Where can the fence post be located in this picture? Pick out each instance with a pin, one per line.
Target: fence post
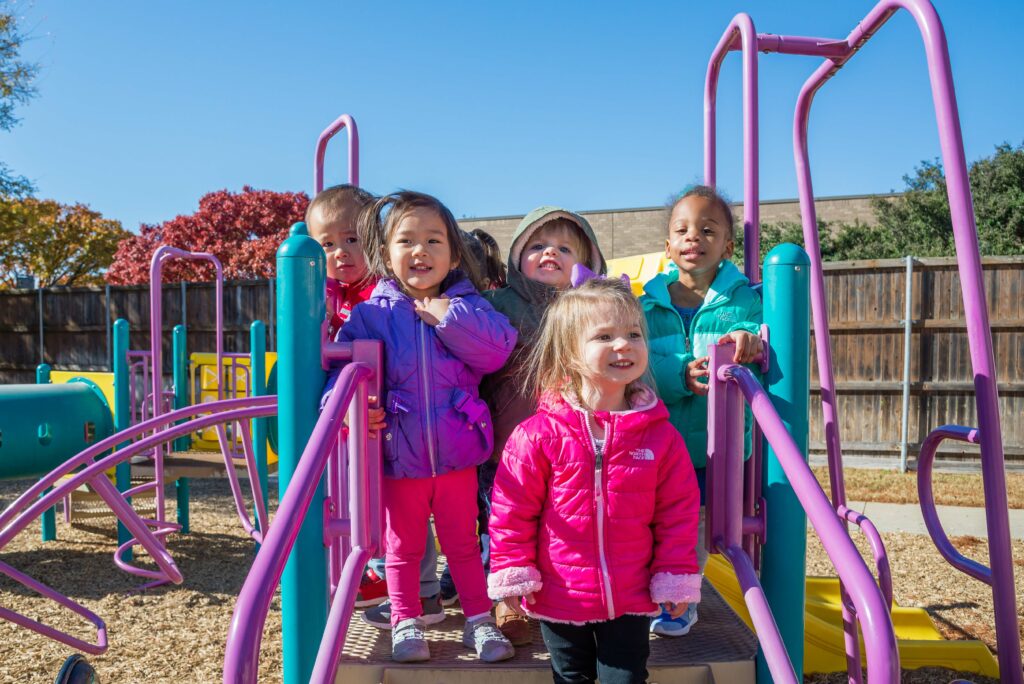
(122, 418)
(106, 308)
(786, 297)
(908, 303)
(42, 353)
(301, 266)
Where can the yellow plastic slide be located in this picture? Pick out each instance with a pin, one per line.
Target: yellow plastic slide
(920, 644)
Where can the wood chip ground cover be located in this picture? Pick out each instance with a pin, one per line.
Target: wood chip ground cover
(177, 634)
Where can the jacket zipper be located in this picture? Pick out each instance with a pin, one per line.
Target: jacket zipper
(599, 499)
(428, 407)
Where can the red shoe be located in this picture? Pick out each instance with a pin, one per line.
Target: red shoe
(373, 590)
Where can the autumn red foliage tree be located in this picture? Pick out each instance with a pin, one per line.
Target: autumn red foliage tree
(243, 230)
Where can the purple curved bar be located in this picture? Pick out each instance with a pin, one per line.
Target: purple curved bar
(241, 659)
(163, 254)
(85, 457)
(46, 630)
(349, 124)
(879, 635)
(975, 308)
(925, 460)
(877, 548)
(740, 31)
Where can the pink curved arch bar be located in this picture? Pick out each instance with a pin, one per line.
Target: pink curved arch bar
(346, 122)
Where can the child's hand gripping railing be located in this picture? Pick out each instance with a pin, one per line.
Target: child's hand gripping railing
(82, 469)
(730, 385)
(362, 525)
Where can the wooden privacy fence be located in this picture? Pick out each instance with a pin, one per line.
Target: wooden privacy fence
(867, 301)
(70, 328)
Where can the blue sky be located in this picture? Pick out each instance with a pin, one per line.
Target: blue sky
(494, 107)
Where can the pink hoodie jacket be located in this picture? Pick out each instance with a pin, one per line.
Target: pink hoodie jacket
(595, 541)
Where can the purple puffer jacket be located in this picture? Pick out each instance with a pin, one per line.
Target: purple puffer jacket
(436, 421)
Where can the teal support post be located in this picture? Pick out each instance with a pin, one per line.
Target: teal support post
(179, 357)
(122, 417)
(301, 268)
(49, 518)
(786, 298)
(258, 388)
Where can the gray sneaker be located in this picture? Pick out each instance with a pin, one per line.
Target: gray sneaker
(408, 645)
(380, 616)
(490, 644)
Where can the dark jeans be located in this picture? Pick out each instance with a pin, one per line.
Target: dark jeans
(614, 651)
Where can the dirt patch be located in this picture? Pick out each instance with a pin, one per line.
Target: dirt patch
(892, 486)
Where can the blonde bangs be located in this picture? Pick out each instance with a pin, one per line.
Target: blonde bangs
(556, 362)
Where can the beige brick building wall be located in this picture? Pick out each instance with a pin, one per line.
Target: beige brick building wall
(625, 232)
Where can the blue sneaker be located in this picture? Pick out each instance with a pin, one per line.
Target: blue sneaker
(667, 626)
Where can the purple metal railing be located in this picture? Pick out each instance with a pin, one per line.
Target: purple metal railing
(342, 122)
(351, 398)
(740, 34)
(975, 309)
(166, 253)
(730, 385)
(82, 469)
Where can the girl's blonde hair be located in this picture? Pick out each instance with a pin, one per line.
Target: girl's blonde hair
(556, 362)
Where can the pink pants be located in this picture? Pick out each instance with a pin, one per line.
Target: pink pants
(408, 503)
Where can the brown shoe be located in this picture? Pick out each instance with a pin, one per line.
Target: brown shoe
(514, 626)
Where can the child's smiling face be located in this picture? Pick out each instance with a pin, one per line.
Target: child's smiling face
(699, 236)
(346, 261)
(550, 254)
(614, 350)
(418, 252)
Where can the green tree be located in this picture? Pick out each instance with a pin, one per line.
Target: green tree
(919, 219)
(59, 244)
(16, 88)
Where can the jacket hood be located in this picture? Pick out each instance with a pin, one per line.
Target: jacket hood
(726, 280)
(455, 284)
(531, 290)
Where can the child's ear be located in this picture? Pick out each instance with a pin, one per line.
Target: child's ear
(730, 246)
(385, 256)
(668, 252)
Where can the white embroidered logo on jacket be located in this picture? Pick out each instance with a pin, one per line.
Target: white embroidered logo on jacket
(642, 454)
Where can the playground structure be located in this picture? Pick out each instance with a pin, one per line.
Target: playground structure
(738, 518)
(320, 557)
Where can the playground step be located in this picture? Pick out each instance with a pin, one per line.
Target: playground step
(719, 648)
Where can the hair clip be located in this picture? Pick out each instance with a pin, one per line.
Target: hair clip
(581, 274)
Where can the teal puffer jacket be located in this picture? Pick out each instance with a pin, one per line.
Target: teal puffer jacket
(730, 305)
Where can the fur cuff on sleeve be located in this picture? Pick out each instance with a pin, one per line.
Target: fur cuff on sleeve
(666, 587)
(513, 581)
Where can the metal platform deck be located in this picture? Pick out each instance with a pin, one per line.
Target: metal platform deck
(719, 648)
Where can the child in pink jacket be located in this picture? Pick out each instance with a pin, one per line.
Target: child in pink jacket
(594, 515)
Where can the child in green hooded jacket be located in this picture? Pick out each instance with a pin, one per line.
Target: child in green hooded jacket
(700, 300)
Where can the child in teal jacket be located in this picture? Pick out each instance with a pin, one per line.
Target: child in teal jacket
(701, 299)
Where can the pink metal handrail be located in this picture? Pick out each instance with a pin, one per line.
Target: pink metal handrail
(730, 385)
(166, 253)
(241, 660)
(740, 31)
(975, 308)
(346, 122)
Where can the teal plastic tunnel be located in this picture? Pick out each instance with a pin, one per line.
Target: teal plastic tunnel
(42, 426)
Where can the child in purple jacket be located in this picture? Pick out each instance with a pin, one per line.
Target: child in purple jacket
(440, 338)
